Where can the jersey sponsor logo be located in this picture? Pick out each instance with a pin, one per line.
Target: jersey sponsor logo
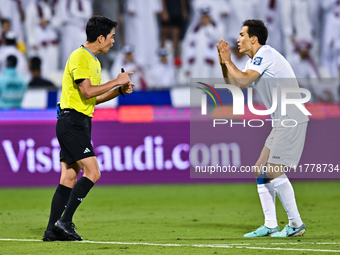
(257, 61)
(87, 150)
(276, 157)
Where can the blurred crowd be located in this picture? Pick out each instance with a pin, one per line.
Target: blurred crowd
(167, 42)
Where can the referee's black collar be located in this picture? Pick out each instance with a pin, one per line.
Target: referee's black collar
(82, 46)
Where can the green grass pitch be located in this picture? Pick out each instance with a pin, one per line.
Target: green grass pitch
(171, 219)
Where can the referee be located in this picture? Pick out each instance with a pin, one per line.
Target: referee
(81, 91)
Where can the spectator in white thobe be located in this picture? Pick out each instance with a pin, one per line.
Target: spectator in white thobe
(12, 10)
(331, 36)
(5, 27)
(71, 17)
(199, 52)
(162, 73)
(240, 10)
(305, 68)
(42, 38)
(277, 15)
(220, 12)
(126, 59)
(315, 17)
(141, 28)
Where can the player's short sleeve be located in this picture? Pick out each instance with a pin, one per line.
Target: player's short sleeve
(247, 65)
(262, 60)
(79, 66)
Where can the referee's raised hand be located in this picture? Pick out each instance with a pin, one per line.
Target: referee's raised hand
(123, 78)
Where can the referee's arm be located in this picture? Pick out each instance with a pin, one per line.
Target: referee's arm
(126, 89)
(107, 96)
(89, 91)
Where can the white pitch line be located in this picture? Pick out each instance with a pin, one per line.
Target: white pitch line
(237, 246)
(289, 249)
(20, 240)
(296, 243)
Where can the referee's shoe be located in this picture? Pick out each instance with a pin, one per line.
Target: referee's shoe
(67, 229)
(54, 235)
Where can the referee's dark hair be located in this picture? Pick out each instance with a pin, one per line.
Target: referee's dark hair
(97, 26)
(257, 28)
(11, 61)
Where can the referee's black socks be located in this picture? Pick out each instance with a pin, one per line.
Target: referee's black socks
(59, 201)
(78, 194)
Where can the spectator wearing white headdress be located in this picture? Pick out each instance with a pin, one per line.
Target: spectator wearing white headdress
(315, 17)
(305, 68)
(126, 59)
(240, 10)
(162, 73)
(331, 36)
(302, 62)
(220, 10)
(199, 56)
(141, 28)
(42, 38)
(277, 15)
(71, 17)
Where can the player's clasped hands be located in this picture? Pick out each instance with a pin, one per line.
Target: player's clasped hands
(223, 51)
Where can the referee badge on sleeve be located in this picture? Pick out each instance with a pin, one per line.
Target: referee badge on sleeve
(257, 61)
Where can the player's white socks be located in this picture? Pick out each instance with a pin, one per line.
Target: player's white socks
(267, 196)
(285, 192)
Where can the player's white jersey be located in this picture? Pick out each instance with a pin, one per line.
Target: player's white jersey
(275, 72)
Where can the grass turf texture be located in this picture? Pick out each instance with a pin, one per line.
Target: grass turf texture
(199, 214)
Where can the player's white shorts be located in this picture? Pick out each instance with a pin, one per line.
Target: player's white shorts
(286, 144)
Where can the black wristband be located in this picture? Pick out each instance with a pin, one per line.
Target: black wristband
(121, 92)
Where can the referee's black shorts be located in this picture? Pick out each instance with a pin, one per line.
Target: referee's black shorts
(74, 135)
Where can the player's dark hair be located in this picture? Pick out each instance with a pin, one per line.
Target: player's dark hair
(257, 28)
(97, 26)
(11, 61)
